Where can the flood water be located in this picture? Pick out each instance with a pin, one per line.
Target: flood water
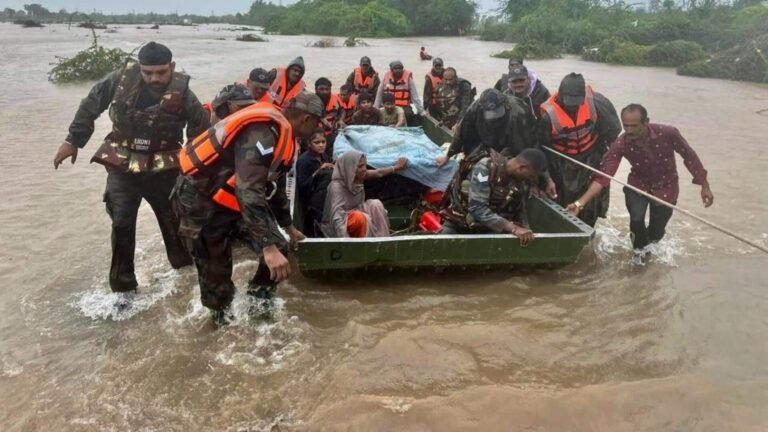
(680, 344)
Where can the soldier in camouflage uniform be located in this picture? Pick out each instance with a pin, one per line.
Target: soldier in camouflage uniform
(454, 95)
(255, 148)
(149, 105)
(489, 194)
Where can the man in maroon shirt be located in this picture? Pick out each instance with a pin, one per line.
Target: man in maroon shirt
(650, 148)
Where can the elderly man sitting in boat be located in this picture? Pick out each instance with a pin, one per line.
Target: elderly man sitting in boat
(489, 194)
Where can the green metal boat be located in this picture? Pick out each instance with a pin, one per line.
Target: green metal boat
(559, 240)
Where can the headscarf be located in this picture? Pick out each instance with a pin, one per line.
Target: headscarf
(345, 170)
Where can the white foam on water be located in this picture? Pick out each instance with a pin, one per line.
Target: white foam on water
(11, 368)
(397, 405)
(610, 244)
(156, 282)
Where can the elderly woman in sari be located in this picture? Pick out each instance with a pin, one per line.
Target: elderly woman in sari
(347, 213)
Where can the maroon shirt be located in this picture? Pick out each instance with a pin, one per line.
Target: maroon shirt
(653, 162)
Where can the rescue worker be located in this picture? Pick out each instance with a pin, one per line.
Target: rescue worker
(333, 110)
(258, 83)
(149, 105)
(650, 148)
(400, 83)
(454, 96)
(364, 77)
(424, 55)
(494, 121)
(580, 123)
(533, 93)
(431, 82)
(286, 83)
(348, 101)
(489, 194)
(233, 187)
(229, 100)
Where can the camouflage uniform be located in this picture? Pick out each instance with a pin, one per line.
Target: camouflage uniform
(453, 102)
(482, 198)
(210, 228)
(141, 157)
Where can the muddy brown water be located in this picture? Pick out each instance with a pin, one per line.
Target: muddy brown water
(678, 345)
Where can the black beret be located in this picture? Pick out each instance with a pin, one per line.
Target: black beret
(155, 54)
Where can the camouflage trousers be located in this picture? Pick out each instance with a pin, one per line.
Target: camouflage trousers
(210, 232)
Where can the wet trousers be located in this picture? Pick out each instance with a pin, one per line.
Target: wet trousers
(210, 232)
(122, 197)
(643, 234)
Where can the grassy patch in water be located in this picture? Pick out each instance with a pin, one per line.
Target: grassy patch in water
(87, 65)
(531, 50)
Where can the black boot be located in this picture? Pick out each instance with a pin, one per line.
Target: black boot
(222, 317)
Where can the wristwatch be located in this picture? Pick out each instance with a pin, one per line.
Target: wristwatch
(578, 205)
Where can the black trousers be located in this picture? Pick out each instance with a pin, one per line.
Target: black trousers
(122, 197)
(643, 234)
(210, 232)
(411, 118)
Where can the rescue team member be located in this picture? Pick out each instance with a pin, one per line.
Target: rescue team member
(258, 83)
(454, 96)
(490, 195)
(364, 77)
(580, 123)
(149, 105)
(431, 82)
(286, 83)
(233, 187)
(400, 83)
(533, 93)
(650, 149)
(333, 110)
(348, 101)
(230, 100)
(493, 122)
(503, 83)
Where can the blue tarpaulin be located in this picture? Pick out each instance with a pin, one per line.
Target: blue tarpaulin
(383, 146)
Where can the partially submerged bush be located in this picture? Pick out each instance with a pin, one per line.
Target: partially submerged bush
(745, 62)
(618, 52)
(354, 42)
(530, 50)
(87, 65)
(250, 37)
(323, 43)
(675, 53)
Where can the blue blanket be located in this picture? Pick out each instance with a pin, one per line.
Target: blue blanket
(383, 146)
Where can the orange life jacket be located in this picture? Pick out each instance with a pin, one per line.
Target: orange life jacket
(400, 88)
(436, 81)
(278, 91)
(349, 108)
(571, 137)
(363, 81)
(199, 156)
(332, 114)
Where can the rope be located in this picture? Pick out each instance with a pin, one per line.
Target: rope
(662, 202)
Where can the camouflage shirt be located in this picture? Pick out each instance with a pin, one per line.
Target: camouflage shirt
(100, 97)
(453, 101)
(491, 215)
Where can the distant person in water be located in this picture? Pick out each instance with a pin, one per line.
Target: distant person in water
(650, 148)
(424, 55)
(347, 213)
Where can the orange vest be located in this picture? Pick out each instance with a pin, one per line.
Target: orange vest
(436, 81)
(278, 91)
(332, 114)
(400, 88)
(571, 137)
(201, 154)
(363, 82)
(349, 108)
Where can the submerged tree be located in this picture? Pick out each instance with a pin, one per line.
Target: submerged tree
(90, 64)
